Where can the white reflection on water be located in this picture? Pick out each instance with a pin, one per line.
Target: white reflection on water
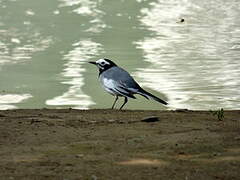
(72, 74)
(7, 101)
(87, 8)
(195, 63)
(16, 47)
(30, 12)
(19, 41)
(84, 7)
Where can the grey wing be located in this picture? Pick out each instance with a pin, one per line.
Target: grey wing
(124, 83)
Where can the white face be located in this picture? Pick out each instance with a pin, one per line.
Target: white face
(101, 63)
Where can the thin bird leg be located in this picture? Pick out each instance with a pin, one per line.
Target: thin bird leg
(125, 102)
(114, 102)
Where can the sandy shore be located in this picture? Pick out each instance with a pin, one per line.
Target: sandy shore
(109, 144)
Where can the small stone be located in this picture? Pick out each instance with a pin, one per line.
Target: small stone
(216, 154)
(93, 177)
(181, 152)
(111, 120)
(237, 138)
(182, 110)
(79, 155)
(150, 119)
(2, 115)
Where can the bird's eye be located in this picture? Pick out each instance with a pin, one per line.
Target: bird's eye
(102, 63)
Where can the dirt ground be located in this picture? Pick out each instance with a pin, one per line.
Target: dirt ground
(110, 144)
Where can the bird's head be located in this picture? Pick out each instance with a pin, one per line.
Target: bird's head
(103, 64)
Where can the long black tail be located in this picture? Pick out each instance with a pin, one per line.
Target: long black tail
(151, 96)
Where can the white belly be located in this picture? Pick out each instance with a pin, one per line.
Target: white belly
(109, 85)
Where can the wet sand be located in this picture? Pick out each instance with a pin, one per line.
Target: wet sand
(110, 144)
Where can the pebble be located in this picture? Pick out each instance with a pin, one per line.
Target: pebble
(93, 177)
(182, 110)
(79, 155)
(111, 120)
(237, 138)
(150, 119)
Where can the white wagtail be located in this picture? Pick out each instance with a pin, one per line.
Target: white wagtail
(119, 82)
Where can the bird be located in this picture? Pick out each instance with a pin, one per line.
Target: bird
(119, 83)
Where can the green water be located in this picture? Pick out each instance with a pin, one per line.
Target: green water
(44, 47)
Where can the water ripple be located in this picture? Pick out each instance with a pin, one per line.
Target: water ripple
(87, 8)
(21, 47)
(72, 75)
(194, 64)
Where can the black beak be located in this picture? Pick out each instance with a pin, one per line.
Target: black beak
(91, 62)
